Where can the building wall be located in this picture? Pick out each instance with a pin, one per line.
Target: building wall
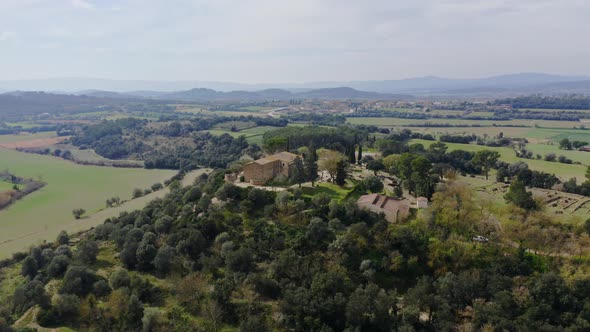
(259, 174)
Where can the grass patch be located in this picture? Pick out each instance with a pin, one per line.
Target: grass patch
(5, 186)
(330, 189)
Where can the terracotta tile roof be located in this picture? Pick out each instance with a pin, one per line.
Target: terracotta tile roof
(391, 206)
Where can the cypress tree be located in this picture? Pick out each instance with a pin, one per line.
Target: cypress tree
(360, 154)
(351, 157)
(341, 173)
(311, 168)
(298, 175)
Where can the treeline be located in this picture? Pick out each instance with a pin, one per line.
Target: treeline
(21, 188)
(19, 105)
(208, 151)
(125, 138)
(11, 130)
(265, 261)
(341, 139)
(319, 119)
(575, 102)
(539, 115)
(571, 185)
(67, 155)
(465, 162)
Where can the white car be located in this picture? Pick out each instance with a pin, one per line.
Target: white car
(479, 238)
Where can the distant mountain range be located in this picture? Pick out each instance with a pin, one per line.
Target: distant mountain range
(202, 94)
(496, 86)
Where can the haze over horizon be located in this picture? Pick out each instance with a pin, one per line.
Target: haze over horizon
(265, 41)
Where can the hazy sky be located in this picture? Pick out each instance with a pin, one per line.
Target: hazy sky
(291, 41)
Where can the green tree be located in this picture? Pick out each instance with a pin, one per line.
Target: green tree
(87, 252)
(29, 267)
(164, 259)
(78, 213)
(63, 238)
(486, 159)
(351, 154)
(58, 266)
(341, 172)
(375, 166)
(372, 184)
(398, 191)
(329, 161)
(360, 154)
(565, 144)
(137, 193)
(67, 306)
(29, 294)
(311, 168)
(298, 171)
(518, 196)
(119, 278)
(134, 312)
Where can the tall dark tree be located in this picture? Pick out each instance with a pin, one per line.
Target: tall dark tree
(311, 168)
(359, 156)
(351, 156)
(298, 171)
(341, 172)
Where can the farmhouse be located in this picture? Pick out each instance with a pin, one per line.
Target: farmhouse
(260, 171)
(394, 209)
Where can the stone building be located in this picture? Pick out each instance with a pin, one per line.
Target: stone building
(421, 202)
(258, 172)
(395, 209)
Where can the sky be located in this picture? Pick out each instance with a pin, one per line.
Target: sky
(271, 41)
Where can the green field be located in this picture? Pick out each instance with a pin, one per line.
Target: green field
(543, 149)
(5, 186)
(253, 135)
(330, 189)
(393, 122)
(563, 171)
(42, 214)
(89, 156)
(16, 138)
(221, 113)
(257, 108)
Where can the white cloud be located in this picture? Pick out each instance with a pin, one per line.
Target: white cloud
(7, 35)
(269, 40)
(82, 4)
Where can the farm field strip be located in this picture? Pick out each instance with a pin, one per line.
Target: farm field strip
(490, 131)
(16, 138)
(392, 122)
(33, 143)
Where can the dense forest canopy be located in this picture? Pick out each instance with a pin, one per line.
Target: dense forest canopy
(259, 261)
